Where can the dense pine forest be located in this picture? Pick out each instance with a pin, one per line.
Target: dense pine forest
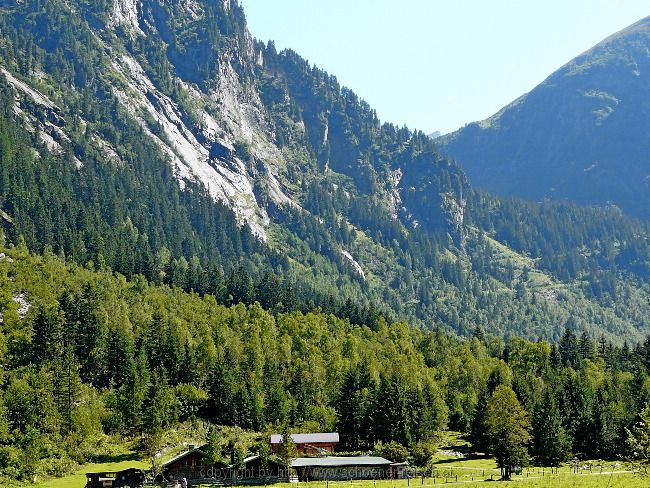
(89, 355)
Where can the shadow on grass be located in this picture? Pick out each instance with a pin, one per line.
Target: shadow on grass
(117, 458)
(471, 457)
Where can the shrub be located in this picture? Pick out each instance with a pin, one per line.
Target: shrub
(393, 451)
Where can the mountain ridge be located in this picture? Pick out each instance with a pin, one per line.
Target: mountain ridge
(579, 135)
(351, 214)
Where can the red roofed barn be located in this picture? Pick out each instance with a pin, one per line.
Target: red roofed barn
(306, 444)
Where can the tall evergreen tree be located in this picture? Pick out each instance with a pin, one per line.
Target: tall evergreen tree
(569, 349)
(551, 442)
(478, 435)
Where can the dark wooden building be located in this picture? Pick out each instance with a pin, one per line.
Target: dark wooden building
(341, 468)
(191, 465)
(100, 480)
(127, 478)
(309, 444)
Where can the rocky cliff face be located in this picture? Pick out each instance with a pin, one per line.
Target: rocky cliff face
(192, 76)
(581, 135)
(139, 116)
(222, 138)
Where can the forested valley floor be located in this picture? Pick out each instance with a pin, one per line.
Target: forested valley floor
(90, 357)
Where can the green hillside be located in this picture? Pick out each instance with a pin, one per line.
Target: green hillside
(90, 358)
(251, 175)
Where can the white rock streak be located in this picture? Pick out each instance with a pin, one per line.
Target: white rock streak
(125, 13)
(395, 199)
(354, 263)
(38, 97)
(228, 183)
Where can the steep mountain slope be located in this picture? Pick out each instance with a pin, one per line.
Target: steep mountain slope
(158, 138)
(582, 135)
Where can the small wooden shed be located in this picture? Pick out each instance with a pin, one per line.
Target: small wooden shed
(192, 466)
(126, 478)
(309, 444)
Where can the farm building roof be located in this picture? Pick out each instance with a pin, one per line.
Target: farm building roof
(183, 454)
(320, 437)
(336, 461)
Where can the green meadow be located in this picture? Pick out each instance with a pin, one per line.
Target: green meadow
(447, 471)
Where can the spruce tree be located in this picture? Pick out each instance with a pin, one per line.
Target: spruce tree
(551, 442)
(569, 350)
(287, 449)
(477, 435)
(212, 451)
(586, 346)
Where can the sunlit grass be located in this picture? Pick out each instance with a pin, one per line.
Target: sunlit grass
(446, 469)
(465, 472)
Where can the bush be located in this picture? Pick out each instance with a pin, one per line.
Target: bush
(422, 454)
(393, 451)
(58, 467)
(10, 461)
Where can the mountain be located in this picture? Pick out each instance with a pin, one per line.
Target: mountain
(161, 139)
(581, 135)
(204, 239)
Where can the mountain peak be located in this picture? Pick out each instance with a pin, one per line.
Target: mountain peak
(624, 46)
(579, 135)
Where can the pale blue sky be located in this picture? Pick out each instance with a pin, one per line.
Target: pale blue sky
(438, 64)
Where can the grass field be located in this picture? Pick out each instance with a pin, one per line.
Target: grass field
(577, 481)
(448, 469)
(464, 472)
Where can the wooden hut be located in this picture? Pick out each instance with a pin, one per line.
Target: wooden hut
(126, 478)
(192, 466)
(309, 444)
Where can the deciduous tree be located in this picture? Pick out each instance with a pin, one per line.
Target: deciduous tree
(507, 425)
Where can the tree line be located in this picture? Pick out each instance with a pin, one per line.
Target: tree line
(95, 355)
